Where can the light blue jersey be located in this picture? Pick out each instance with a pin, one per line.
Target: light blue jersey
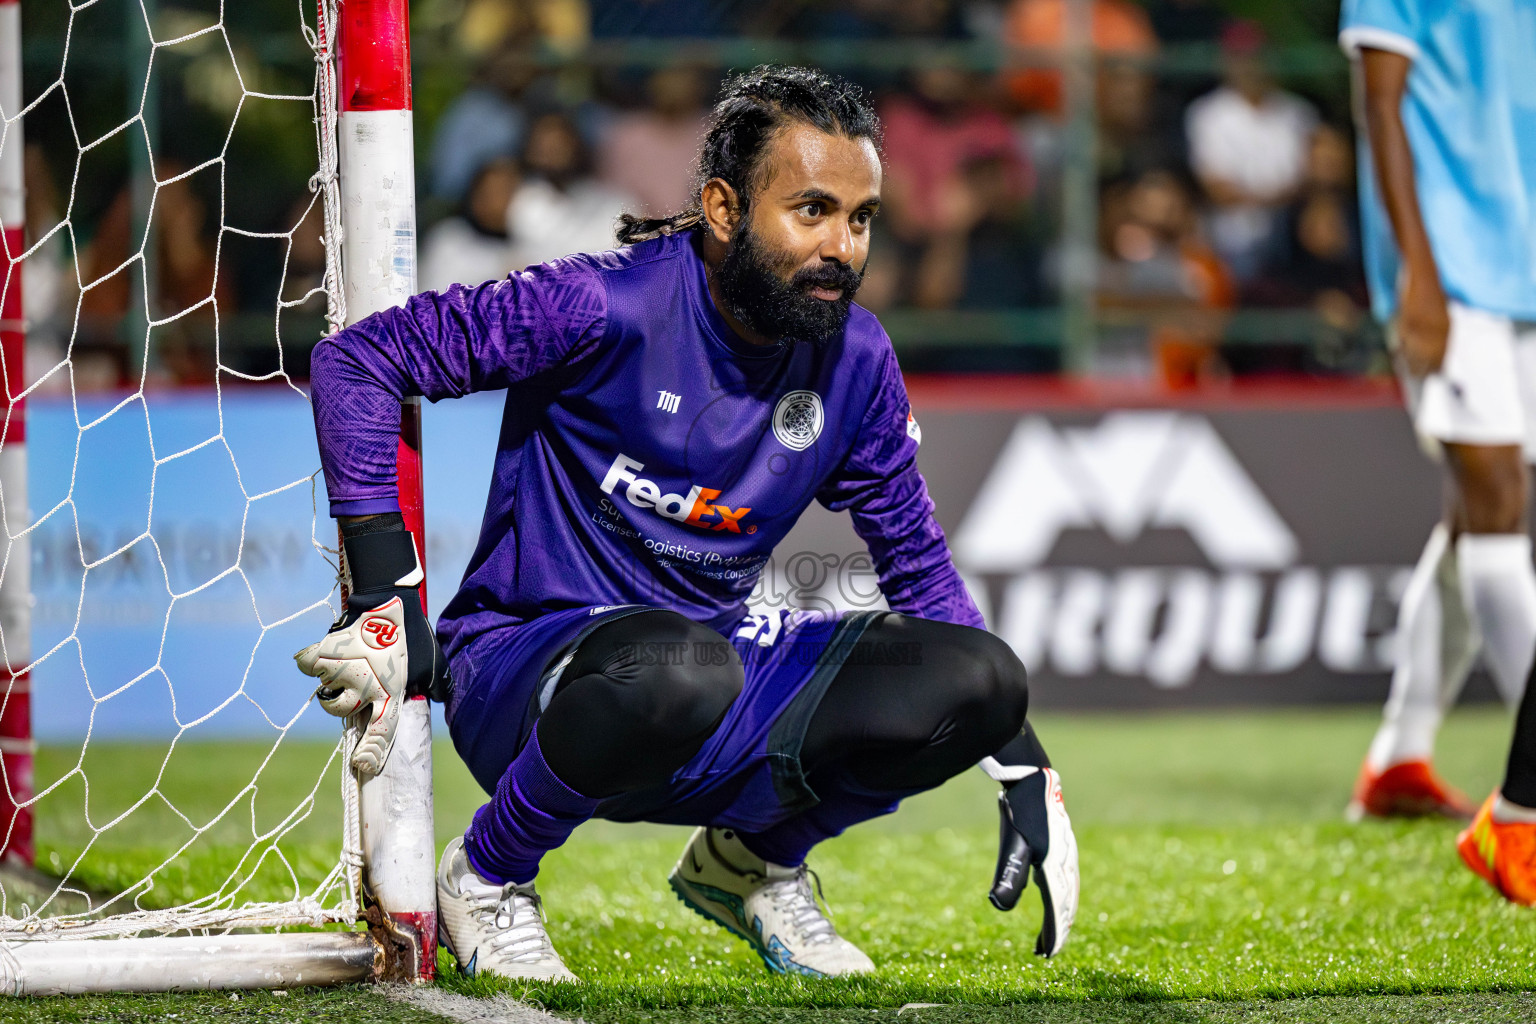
(1470, 114)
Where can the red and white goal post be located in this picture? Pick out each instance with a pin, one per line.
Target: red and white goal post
(374, 916)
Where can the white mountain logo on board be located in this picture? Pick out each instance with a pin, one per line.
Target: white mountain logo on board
(1131, 472)
(1250, 609)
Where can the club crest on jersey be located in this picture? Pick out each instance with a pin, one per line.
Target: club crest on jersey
(797, 420)
(696, 508)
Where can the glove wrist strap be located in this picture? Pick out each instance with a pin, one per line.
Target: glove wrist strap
(382, 561)
(385, 522)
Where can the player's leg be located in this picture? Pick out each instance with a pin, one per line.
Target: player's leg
(1472, 410)
(1473, 406)
(1474, 398)
(885, 732)
(887, 725)
(1500, 844)
(911, 705)
(1507, 506)
(638, 699)
(1493, 552)
(907, 706)
(632, 703)
(1436, 644)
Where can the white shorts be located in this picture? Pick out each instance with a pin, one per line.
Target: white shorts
(1485, 391)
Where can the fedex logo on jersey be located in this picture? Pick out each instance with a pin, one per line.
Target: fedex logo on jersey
(694, 509)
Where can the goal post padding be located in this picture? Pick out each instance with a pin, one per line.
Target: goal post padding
(378, 203)
(384, 873)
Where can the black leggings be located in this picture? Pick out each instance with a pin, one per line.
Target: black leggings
(636, 703)
(645, 691)
(912, 726)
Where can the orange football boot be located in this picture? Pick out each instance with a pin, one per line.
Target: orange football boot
(1504, 855)
(1411, 789)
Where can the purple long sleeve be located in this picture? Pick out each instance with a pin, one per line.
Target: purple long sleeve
(441, 345)
(887, 498)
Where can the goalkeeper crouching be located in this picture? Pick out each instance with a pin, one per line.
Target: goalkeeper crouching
(672, 408)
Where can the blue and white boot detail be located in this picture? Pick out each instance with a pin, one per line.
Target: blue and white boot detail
(769, 905)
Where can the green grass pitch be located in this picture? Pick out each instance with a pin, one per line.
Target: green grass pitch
(1219, 884)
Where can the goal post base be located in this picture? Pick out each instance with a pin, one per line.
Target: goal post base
(407, 945)
(399, 847)
(185, 963)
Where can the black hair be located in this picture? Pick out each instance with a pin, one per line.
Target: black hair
(754, 107)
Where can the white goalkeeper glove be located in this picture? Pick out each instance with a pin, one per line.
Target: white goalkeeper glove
(1035, 834)
(382, 650)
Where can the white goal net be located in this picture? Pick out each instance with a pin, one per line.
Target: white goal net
(178, 258)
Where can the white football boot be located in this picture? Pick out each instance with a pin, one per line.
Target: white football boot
(769, 905)
(490, 928)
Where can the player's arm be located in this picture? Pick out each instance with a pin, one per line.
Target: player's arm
(437, 345)
(882, 489)
(886, 497)
(1423, 320)
(441, 345)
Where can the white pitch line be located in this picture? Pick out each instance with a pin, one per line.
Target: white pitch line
(462, 1009)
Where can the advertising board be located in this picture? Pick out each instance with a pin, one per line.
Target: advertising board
(1245, 549)
(1137, 553)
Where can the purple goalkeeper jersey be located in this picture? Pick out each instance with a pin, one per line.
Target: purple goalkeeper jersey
(648, 455)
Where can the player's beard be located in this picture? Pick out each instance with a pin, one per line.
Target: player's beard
(761, 288)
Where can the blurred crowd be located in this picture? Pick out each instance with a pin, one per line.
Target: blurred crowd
(1215, 192)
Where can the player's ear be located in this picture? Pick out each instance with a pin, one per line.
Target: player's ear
(722, 209)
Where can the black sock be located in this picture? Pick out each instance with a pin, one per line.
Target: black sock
(1520, 777)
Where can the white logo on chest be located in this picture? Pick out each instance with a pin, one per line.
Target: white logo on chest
(797, 420)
